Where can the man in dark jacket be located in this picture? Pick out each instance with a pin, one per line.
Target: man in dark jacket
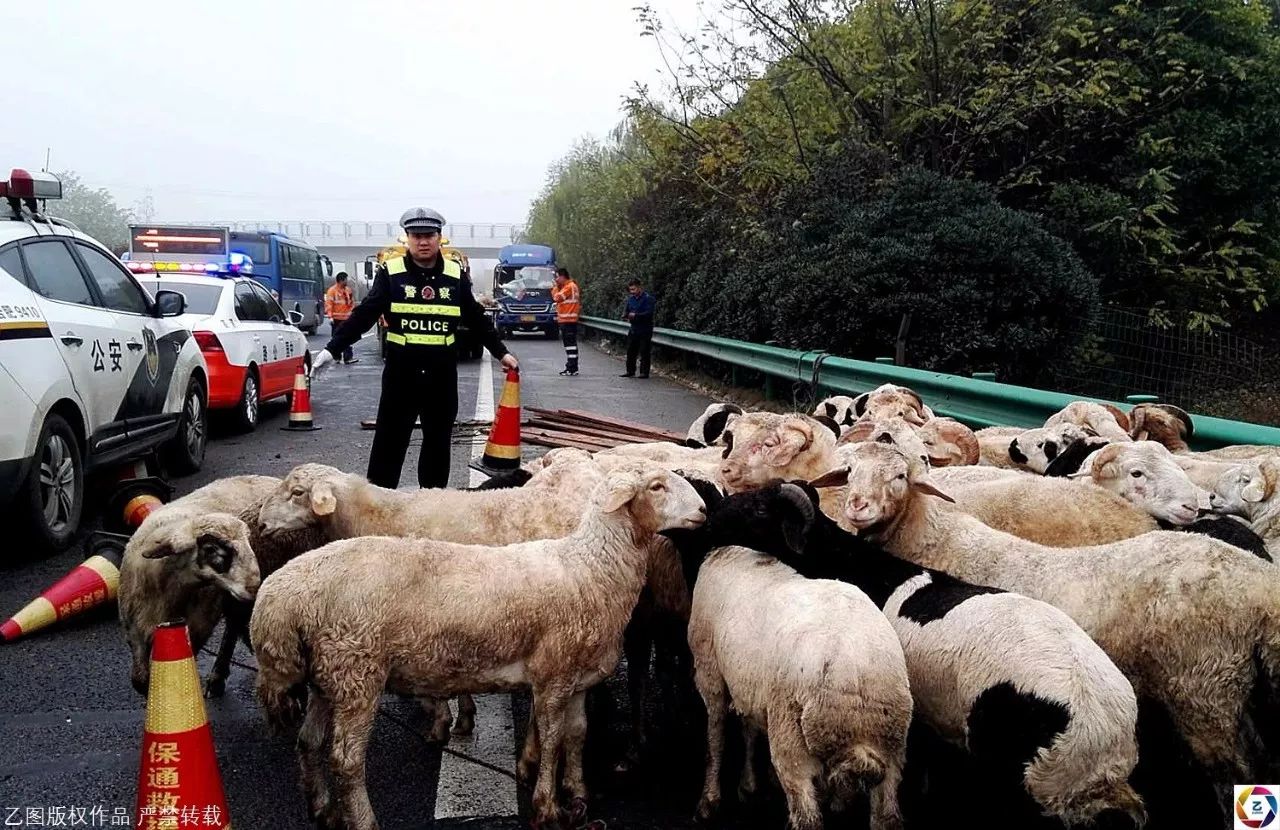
(640, 308)
(423, 296)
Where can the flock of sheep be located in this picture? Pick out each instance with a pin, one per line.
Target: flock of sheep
(1038, 600)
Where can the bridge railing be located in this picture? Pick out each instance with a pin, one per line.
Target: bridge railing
(975, 401)
(375, 232)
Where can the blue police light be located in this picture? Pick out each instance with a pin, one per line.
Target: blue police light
(240, 263)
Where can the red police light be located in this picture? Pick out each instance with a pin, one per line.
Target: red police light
(24, 185)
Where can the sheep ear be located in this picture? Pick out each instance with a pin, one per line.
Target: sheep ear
(829, 422)
(928, 489)
(860, 404)
(619, 494)
(323, 500)
(835, 478)
(176, 539)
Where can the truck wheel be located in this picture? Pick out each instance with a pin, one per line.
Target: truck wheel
(51, 498)
(184, 454)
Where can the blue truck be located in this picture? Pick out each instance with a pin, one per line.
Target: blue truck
(522, 283)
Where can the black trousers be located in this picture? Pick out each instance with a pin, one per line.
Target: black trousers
(408, 393)
(569, 337)
(639, 344)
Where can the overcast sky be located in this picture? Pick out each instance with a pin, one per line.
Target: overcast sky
(283, 109)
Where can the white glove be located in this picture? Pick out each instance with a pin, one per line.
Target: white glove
(322, 359)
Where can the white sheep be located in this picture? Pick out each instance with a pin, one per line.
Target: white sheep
(838, 408)
(889, 401)
(947, 438)
(763, 446)
(1192, 622)
(363, 615)
(993, 447)
(984, 664)
(1037, 448)
(1249, 490)
(815, 665)
(1105, 420)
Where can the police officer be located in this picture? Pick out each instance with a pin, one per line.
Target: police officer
(423, 296)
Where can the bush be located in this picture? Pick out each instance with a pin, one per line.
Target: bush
(986, 287)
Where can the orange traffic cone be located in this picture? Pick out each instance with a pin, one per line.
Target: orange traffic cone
(300, 410)
(136, 499)
(179, 784)
(502, 451)
(88, 585)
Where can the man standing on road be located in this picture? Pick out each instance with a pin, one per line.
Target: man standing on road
(338, 303)
(568, 308)
(640, 308)
(423, 297)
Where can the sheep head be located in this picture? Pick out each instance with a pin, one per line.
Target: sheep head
(895, 431)
(879, 482)
(307, 496)
(708, 429)
(763, 447)
(950, 443)
(1245, 488)
(1105, 420)
(1163, 423)
(1146, 475)
(891, 401)
(838, 408)
(1038, 448)
(656, 498)
(212, 548)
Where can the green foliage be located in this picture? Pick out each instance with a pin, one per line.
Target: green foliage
(93, 211)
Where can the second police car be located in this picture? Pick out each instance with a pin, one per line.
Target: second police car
(93, 369)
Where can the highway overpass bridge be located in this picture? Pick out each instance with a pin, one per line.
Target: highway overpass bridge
(351, 242)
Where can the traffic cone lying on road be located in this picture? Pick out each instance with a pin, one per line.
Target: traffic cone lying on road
(502, 451)
(300, 409)
(88, 585)
(178, 780)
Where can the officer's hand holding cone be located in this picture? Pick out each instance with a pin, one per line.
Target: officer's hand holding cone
(321, 361)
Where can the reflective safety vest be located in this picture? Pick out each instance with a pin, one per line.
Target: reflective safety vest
(568, 302)
(424, 315)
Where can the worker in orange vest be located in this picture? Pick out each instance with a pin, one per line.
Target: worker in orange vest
(568, 308)
(338, 304)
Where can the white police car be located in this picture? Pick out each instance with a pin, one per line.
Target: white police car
(93, 370)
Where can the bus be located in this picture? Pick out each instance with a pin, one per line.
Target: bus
(294, 269)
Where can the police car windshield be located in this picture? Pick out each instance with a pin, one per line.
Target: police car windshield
(528, 279)
(201, 299)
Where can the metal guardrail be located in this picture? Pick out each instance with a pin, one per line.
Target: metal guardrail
(973, 401)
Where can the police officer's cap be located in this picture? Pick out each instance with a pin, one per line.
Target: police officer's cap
(421, 220)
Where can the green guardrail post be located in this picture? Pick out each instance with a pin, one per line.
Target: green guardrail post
(1137, 399)
(888, 361)
(991, 376)
(770, 390)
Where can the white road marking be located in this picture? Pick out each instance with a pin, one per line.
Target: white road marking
(465, 789)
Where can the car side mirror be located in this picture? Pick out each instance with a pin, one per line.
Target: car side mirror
(295, 317)
(170, 303)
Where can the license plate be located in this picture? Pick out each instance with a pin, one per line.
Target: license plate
(528, 318)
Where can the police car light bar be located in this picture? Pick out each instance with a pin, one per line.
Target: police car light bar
(24, 185)
(238, 264)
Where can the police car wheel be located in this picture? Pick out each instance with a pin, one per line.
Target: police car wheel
(250, 403)
(185, 452)
(52, 497)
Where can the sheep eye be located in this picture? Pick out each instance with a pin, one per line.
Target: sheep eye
(884, 438)
(657, 485)
(1136, 473)
(298, 491)
(902, 476)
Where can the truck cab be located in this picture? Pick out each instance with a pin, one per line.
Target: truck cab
(522, 283)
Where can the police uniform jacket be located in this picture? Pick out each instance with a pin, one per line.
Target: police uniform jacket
(423, 307)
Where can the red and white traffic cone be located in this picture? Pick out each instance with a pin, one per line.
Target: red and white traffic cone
(179, 784)
(88, 585)
(300, 409)
(502, 451)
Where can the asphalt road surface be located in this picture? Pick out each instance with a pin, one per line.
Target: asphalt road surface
(71, 725)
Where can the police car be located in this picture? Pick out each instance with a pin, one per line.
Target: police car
(252, 348)
(93, 369)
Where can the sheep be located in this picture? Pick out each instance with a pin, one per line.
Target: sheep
(890, 400)
(1249, 490)
(707, 429)
(706, 460)
(812, 663)
(947, 438)
(344, 622)
(1192, 622)
(838, 408)
(1242, 452)
(1037, 448)
(164, 576)
(1163, 423)
(894, 431)
(763, 446)
(1105, 420)
(975, 656)
(993, 447)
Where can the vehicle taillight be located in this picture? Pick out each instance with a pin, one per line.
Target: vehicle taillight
(208, 341)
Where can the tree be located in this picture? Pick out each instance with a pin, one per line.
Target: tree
(93, 211)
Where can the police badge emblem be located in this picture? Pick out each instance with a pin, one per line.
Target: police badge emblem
(153, 354)
(428, 293)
